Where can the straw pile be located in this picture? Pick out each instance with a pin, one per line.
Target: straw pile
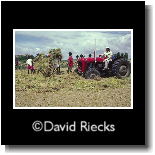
(45, 63)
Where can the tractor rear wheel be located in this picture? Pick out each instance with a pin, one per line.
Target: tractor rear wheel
(92, 73)
(121, 68)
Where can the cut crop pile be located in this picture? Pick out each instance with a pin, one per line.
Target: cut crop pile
(45, 64)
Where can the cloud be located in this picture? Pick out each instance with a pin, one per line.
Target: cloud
(78, 42)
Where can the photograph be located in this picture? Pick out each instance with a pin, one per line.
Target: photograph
(73, 68)
(74, 76)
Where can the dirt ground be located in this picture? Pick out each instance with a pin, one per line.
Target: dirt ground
(70, 90)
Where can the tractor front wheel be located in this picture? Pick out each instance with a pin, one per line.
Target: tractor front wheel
(76, 70)
(92, 73)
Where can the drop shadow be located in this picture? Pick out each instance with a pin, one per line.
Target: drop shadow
(148, 112)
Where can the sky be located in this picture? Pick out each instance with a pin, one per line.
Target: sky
(77, 42)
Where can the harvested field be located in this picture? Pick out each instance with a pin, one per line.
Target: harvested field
(70, 90)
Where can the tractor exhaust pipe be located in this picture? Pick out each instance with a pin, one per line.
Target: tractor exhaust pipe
(95, 55)
(95, 51)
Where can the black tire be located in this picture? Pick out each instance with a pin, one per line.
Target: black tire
(121, 68)
(92, 73)
(76, 70)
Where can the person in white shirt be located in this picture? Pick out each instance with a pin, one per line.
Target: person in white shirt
(29, 63)
(56, 63)
(108, 54)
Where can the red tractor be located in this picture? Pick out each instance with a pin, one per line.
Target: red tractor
(92, 67)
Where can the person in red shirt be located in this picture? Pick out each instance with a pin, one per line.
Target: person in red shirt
(70, 62)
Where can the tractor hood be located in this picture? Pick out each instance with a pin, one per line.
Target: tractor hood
(98, 59)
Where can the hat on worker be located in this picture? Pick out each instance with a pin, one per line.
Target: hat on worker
(70, 53)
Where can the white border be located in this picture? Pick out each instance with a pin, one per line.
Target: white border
(131, 30)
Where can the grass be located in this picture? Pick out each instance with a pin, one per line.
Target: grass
(71, 90)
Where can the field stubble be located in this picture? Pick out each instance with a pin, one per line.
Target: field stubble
(70, 90)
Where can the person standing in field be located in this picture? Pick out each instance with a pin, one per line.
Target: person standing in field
(108, 55)
(58, 65)
(30, 66)
(70, 62)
